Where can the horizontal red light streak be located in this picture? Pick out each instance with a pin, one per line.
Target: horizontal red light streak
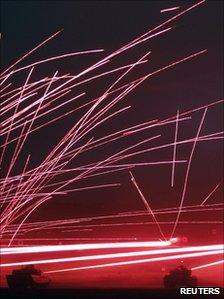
(51, 248)
(156, 259)
(117, 255)
(208, 265)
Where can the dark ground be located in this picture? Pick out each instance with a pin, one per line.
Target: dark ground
(98, 293)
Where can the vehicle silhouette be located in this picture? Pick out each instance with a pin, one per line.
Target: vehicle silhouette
(180, 276)
(27, 277)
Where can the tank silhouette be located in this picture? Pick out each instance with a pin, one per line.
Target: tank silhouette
(180, 276)
(27, 277)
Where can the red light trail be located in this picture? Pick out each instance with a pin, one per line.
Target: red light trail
(51, 248)
(207, 265)
(215, 248)
(169, 9)
(156, 259)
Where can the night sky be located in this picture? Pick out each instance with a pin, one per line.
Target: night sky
(108, 25)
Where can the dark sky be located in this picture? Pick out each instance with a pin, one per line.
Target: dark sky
(105, 24)
(108, 25)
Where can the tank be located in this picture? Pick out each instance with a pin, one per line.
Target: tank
(179, 277)
(27, 277)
